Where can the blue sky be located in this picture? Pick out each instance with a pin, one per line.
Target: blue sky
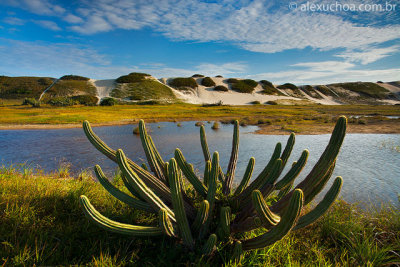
(302, 42)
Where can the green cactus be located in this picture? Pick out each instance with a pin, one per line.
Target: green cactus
(195, 214)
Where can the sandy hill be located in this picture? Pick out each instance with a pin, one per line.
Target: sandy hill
(141, 87)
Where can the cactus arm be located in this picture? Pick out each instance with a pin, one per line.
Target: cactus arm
(283, 192)
(165, 223)
(144, 166)
(294, 171)
(130, 188)
(221, 175)
(177, 203)
(154, 183)
(207, 170)
(189, 174)
(268, 218)
(288, 150)
(225, 222)
(246, 177)
(260, 180)
(204, 145)
(230, 174)
(209, 246)
(212, 189)
(150, 154)
(202, 215)
(237, 253)
(323, 206)
(287, 222)
(127, 199)
(323, 165)
(140, 187)
(268, 180)
(311, 193)
(116, 227)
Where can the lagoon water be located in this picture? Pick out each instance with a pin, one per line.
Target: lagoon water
(368, 163)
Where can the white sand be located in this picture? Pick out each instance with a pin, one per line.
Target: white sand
(207, 95)
(104, 87)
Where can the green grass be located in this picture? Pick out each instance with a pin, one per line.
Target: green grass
(133, 77)
(309, 90)
(23, 87)
(20, 115)
(42, 223)
(144, 90)
(74, 77)
(364, 88)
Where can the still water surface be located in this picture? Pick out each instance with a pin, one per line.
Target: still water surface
(368, 163)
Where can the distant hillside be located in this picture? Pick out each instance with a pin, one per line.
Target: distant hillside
(198, 89)
(23, 87)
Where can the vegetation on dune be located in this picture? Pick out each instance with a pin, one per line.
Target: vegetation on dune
(269, 88)
(364, 88)
(183, 83)
(74, 77)
(242, 86)
(309, 90)
(144, 90)
(221, 88)
(325, 90)
(207, 82)
(23, 87)
(69, 88)
(197, 75)
(288, 86)
(64, 101)
(132, 77)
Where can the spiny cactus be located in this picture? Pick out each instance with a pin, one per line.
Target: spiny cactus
(215, 214)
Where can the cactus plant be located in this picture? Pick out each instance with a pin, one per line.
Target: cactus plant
(216, 214)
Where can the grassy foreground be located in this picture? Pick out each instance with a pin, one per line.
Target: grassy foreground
(42, 223)
(272, 118)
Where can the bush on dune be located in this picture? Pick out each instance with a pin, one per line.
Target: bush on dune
(132, 77)
(244, 86)
(221, 88)
(207, 82)
(183, 83)
(74, 77)
(288, 86)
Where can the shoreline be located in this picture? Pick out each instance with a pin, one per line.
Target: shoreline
(383, 127)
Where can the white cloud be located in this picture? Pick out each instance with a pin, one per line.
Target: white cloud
(48, 24)
(72, 19)
(258, 26)
(41, 7)
(328, 72)
(14, 21)
(368, 55)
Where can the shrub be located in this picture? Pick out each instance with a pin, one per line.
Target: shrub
(219, 76)
(221, 88)
(23, 87)
(232, 80)
(132, 77)
(244, 86)
(197, 75)
(74, 77)
(87, 100)
(271, 103)
(61, 101)
(145, 90)
(108, 101)
(183, 83)
(256, 102)
(379, 82)
(266, 83)
(207, 82)
(28, 101)
(288, 86)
